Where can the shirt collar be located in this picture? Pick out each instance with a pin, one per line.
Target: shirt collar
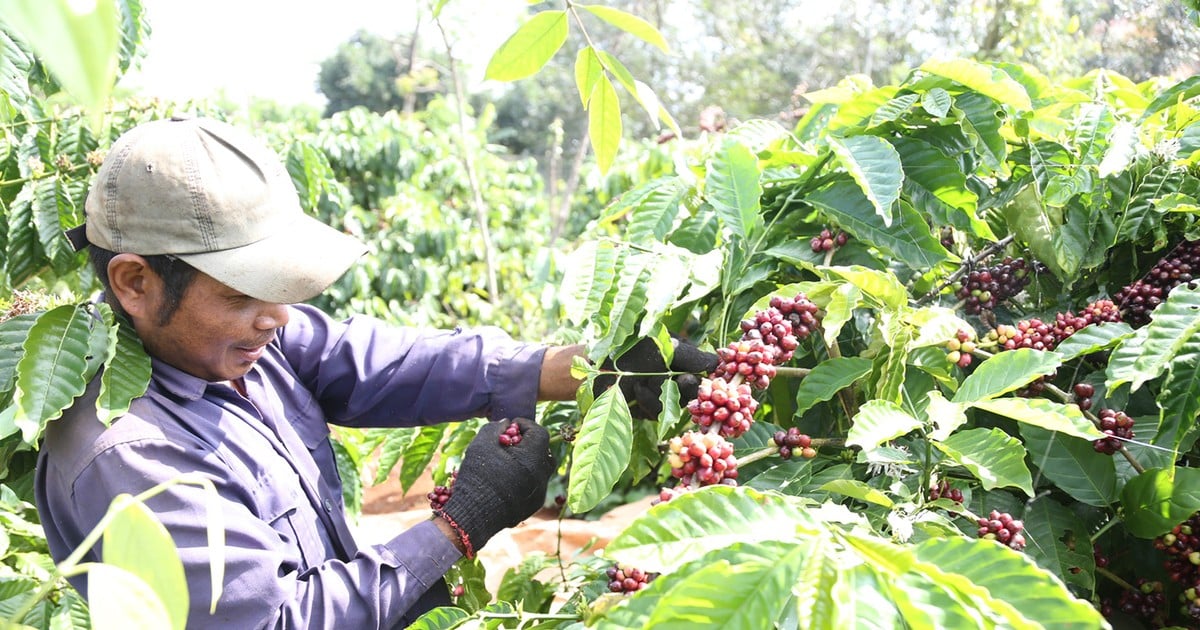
(179, 383)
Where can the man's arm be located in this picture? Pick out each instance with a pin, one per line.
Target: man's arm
(556, 382)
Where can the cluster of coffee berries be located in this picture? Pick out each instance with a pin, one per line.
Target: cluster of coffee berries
(749, 358)
(701, 459)
(773, 329)
(720, 403)
(1003, 527)
(511, 436)
(1178, 267)
(1117, 426)
(827, 240)
(793, 441)
(982, 289)
(724, 405)
(960, 348)
(943, 490)
(627, 580)
(1146, 601)
(1182, 546)
(800, 311)
(1030, 333)
(1083, 395)
(441, 494)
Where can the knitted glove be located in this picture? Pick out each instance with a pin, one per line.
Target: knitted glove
(643, 393)
(498, 486)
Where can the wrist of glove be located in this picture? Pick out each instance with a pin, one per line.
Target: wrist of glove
(644, 392)
(498, 486)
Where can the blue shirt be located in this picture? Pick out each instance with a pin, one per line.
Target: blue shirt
(290, 558)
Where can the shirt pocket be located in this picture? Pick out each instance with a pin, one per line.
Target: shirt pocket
(285, 508)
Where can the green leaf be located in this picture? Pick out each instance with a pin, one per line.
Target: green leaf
(391, 450)
(884, 288)
(1159, 499)
(842, 303)
(602, 451)
(419, 453)
(629, 23)
(980, 120)
(652, 208)
(937, 186)
(77, 41)
(138, 543)
(827, 379)
(1005, 372)
(1179, 398)
(589, 275)
(671, 409)
(441, 618)
(126, 374)
(604, 123)
(12, 338)
(878, 421)
(1182, 91)
(1066, 419)
(732, 187)
(994, 457)
(628, 302)
(858, 490)
(1091, 339)
(120, 599)
(529, 48)
(937, 102)
(893, 110)
(673, 533)
(1004, 584)
(24, 252)
(875, 166)
(1059, 542)
(588, 72)
(53, 370)
(1173, 324)
(908, 239)
(1143, 216)
(991, 82)
(1073, 465)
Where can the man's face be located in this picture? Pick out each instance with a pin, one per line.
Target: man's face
(216, 334)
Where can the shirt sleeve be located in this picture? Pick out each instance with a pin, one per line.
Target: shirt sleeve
(368, 373)
(264, 585)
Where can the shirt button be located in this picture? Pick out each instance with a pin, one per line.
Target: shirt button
(328, 504)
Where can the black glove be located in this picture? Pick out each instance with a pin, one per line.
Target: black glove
(644, 393)
(498, 486)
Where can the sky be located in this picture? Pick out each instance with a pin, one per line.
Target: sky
(273, 48)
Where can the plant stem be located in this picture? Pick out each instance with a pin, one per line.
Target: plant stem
(792, 372)
(967, 265)
(1115, 578)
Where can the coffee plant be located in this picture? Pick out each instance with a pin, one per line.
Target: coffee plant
(960, 471)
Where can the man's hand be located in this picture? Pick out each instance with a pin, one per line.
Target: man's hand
(498, 486)
(643, 393)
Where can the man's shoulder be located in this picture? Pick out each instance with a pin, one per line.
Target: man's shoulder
(79, 436)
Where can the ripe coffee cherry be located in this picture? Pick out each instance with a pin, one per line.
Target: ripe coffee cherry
(943, 491)
(458, 590)
(960, 348)
(720, 403)
(800, 311)
(701, 459)
(441, 494)
(1003, 527)
(750, 359)
(828, 240)
(774, 330)
(511, 435)
(793, 441)
(666, 494)
(1117, 426)
(1083, 395)
(623, 579)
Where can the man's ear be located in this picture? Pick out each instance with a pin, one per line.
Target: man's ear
(134, 285)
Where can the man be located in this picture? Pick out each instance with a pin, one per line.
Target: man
(198, 236)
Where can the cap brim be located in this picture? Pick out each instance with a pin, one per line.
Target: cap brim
(293, 265)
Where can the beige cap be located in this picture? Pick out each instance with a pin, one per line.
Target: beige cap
(217, 198)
